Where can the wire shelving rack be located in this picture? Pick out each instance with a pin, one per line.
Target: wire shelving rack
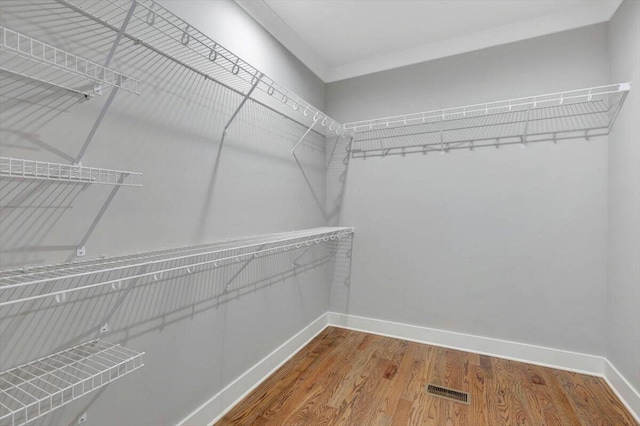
(19, 168)
(32, 390)
(576, 113)
(29, 58)
(25, 284)
(165, 33)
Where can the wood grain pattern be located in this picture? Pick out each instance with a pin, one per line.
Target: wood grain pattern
(345, 377)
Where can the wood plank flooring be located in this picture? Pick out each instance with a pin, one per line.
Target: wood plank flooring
(345, 377)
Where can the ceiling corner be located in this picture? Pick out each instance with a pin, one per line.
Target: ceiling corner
(260, 11)
(330, 70)
(590, 14)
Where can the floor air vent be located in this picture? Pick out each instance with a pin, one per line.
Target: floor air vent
(447, 393)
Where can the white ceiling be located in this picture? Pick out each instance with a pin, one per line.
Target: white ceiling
(339, 39)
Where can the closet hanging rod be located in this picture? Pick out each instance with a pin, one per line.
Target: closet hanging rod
(187, 66)
(19, 168)
(490, 108)
(32, 390)
(60, 280)
(39, 56)
(469, 144)
(479, 122)
(163, 32)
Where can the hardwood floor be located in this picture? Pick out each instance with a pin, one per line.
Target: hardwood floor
(345, 377)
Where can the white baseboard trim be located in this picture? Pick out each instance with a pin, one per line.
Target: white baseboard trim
(539, 355)
(555, 358)
(216, 407)
(629, 396)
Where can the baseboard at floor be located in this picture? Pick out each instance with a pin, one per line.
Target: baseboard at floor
(629, 396)
(216, 407)
(555, 358)
(539, 355)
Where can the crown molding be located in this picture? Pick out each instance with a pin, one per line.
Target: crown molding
(589, 14)
(271, 21)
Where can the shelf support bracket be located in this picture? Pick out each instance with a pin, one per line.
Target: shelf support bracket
(526, 128)
(295, 263)
(303, 136)
(114, 91)
(254, 84)
(86, 94)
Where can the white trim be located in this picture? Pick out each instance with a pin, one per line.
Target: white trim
(547, 357)
(629, 396)
(218, 405)
(591, 13)
(522, 352)
(273, 23)
(227, 398)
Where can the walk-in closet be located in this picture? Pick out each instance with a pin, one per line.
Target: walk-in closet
(319, 212)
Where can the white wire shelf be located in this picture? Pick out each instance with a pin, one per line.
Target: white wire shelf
(29, 58)
(58, 281)
(563, 115)
(18, 168)
(32, 390)
(160, 30)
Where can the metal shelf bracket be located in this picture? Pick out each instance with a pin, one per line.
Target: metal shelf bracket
(98, 89)
(254, 84)
(304, 135)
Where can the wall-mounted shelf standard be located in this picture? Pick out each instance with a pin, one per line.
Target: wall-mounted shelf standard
(160, 30)
(42, 170)
(32, 390)
(32, 59)
(571, 114)
(21, 285)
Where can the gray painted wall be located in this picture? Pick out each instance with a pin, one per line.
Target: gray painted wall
(197, 337)
(507, 243)
(623, 273)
